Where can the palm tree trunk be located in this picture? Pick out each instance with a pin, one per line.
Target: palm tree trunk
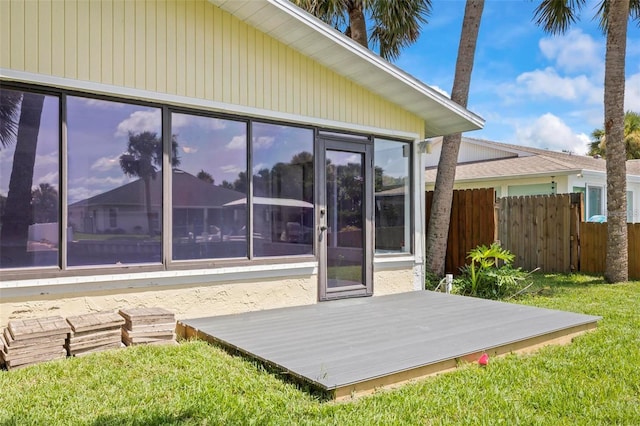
(617, 257)
(357, 23)
(17, 213)
(438, 231)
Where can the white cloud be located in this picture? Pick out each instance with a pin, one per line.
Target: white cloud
(548, 83)
(238, 142)
(83, 188)
(216, 124)
(46, 159)
(188, 149)
(259, 167)
(440, 90)
(50, 178)
(140, 121)
(231, 168)
(574, 52)
(550, 132)
(263, 142)
(105, 183)
(632, 93)
(101, 104)
(179, 120)
(104, 164)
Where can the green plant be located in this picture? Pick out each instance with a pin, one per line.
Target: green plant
(485, 278)
(431, 280)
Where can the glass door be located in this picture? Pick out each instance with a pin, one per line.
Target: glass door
(345, 219)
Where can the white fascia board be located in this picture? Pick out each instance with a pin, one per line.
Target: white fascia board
(196, 103)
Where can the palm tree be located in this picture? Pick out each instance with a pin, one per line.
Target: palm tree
(142, 159)
(45, 202)
(17, 212)
(205, 176)
(438, 231)
(396, 23)
(631, 138)
(555, 16)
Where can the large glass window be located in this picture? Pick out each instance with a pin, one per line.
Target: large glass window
(392, 196)
(29, 179)
(209, 188)
(114, 189)
(283, 197)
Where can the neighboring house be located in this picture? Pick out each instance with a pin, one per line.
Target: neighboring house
(307, 148)
(519, 170)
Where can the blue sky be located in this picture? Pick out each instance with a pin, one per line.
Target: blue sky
(532, 89)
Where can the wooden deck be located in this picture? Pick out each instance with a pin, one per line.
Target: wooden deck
(354, 346)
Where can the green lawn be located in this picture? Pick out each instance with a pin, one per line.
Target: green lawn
(595, 380)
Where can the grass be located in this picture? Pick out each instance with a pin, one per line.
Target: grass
(595, 380)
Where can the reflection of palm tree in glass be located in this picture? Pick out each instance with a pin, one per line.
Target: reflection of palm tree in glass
(17, 214)
(143, 159)
(45, 204)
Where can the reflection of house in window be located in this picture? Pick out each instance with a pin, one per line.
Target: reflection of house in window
(113, 218)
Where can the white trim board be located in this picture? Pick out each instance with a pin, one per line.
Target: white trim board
(184, 101)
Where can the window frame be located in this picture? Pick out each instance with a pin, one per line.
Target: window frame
(62, 270)
(412, 199)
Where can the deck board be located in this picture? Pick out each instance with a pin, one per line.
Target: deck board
(338, 344)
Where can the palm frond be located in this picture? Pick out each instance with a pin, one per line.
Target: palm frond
(10, 101)
(397, 24)
(556, 16)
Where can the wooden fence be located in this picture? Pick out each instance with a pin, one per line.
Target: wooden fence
(593, 243)
(472, 224)
(542, 231)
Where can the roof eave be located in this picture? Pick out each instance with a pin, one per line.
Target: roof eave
(442, 116)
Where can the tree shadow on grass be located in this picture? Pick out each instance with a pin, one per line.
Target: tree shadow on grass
(548, 285)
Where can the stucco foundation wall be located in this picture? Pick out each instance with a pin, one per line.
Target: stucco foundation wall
(185, 302)
(392, 281)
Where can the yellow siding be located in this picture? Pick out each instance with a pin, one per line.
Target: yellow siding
(187, 48)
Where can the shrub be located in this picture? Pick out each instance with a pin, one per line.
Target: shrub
(485, 278)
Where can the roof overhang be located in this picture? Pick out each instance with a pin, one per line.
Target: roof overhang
(298, 29)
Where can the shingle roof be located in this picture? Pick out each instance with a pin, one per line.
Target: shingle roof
(189, 191)
(531, 161)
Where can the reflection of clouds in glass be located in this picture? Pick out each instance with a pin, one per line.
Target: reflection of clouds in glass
(140, 121)
(46, 159)
(354, 159)
(179, 120)
(99, 103)
(231, 169)
(391, 159)
(50, 178)
(184, 120)
(263, 142)
(216, 124)
(83, 188)
(105, 163)
(189, 149)
(238, 142)
(259, 167)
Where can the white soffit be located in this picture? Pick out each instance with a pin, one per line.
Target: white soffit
(296, 28)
